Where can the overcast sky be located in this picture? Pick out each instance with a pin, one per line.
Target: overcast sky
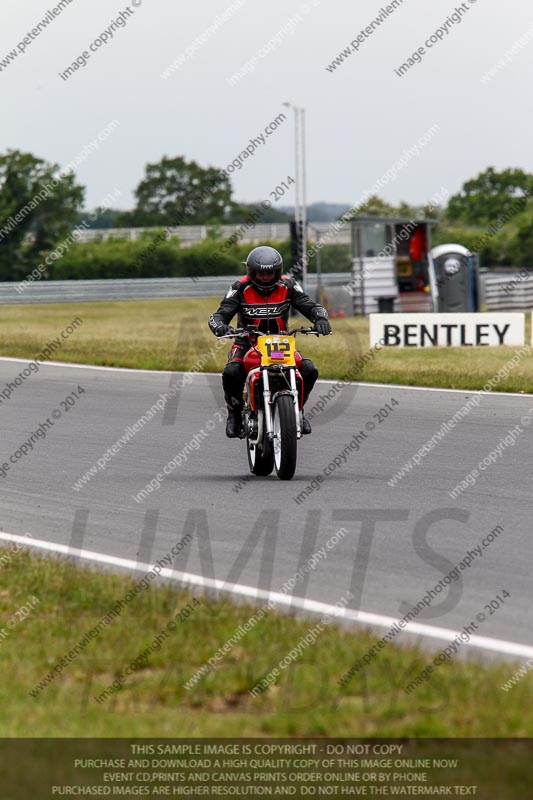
(360, 118)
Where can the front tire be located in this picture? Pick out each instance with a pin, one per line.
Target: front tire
(285, 441)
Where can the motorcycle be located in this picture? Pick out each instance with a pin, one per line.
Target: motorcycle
(273, 400)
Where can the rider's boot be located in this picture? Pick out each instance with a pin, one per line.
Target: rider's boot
(309, 382)
(304, 422)
(234, 422)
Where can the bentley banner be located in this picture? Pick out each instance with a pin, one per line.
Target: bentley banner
(447, 330)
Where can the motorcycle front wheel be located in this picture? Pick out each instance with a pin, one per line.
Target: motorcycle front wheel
(285, 437)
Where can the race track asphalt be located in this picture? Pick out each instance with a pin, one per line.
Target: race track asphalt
(400, 540)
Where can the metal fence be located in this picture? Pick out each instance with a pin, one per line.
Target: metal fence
(193, 234)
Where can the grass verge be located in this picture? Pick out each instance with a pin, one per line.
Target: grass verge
(464, 699)
(173, 335)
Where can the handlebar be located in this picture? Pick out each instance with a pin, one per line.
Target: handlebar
(251, 331)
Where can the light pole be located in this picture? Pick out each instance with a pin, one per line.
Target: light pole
(319, 297)
(300, 204)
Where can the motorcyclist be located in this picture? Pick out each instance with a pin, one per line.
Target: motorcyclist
(263, 297)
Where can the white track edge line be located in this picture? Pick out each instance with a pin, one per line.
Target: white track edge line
(132, 371)
(365, 617)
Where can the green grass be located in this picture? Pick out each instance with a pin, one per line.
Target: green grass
(464, 700)
(173, 335)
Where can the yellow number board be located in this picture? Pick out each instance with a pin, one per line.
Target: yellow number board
(277, 350)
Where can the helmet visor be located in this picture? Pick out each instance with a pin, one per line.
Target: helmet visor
(266, 275)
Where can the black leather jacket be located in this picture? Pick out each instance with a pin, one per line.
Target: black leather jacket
(269, 312)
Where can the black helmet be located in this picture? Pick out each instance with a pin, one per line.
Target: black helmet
(264, 259)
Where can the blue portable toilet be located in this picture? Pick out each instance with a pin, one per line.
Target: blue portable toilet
(453, 278)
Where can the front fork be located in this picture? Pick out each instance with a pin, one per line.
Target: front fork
(268, 400)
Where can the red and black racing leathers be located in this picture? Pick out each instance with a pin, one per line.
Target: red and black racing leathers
(270, 313)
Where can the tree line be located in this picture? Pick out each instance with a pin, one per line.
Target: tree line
(40, 207)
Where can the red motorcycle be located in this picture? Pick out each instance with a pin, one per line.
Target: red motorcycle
(273, 400)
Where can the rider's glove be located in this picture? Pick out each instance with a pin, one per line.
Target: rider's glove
(222, 330)
(322, 326)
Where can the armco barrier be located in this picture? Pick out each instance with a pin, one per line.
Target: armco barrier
(148, 288)
(509, 290)
(517, 297)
